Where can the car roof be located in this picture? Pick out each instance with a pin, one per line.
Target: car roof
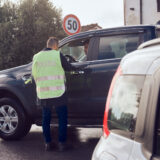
(144, 61)
(107, 31)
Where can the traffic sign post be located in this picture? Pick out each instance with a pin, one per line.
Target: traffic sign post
(71, 24)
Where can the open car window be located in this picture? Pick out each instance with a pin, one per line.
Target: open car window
(75, 49)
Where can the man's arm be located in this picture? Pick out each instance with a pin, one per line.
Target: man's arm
(66, 65)
(34, 71)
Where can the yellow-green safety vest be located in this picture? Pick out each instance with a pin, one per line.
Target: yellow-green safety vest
(48, 74)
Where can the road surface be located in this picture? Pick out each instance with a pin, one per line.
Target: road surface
(31, 147)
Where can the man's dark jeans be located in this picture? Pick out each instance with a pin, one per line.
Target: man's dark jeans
(62, 120)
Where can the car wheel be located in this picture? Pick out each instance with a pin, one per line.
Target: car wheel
(13, 121)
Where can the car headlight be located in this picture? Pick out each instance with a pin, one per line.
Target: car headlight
(26, 77)
(3, 75)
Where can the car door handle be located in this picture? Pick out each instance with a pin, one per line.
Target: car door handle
(77, 72)
(81, 72)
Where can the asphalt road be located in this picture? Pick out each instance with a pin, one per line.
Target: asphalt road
(31, 147)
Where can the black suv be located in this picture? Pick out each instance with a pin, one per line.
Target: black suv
(87, 88)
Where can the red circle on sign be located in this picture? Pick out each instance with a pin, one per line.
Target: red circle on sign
(64, 22)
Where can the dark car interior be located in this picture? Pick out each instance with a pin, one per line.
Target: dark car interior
(108, 54)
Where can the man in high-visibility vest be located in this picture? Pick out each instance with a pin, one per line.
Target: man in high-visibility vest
(48, 72)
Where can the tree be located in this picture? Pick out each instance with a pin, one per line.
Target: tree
(25, 28)
(7, 25)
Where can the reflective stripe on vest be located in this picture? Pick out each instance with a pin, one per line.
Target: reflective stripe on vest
(46, 89)
(44, 64)
(47, 78)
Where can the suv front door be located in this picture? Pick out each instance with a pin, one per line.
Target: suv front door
(88, 87)
(110, 50)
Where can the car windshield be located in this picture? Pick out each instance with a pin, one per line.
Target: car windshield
(125, 102)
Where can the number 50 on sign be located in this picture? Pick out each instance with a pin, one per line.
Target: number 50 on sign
(71, 24)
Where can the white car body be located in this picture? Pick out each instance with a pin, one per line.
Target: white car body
(137, 144)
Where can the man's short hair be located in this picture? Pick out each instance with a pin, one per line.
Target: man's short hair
(51, 42)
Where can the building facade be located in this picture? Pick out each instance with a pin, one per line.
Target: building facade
(141, 12)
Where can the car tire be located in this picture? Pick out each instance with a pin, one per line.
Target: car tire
(14, 123)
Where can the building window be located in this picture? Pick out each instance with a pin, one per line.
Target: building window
(158, 5)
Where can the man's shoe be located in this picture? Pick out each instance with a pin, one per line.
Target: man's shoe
(63, 147)
(48, 147)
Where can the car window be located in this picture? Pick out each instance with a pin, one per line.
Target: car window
(124, 103)
(76, 50)
(117, 46)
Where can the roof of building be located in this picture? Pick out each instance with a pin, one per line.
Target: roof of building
(89, 27)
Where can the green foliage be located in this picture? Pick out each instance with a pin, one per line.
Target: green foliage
(25, 28)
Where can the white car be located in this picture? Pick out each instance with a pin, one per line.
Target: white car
(131, 128)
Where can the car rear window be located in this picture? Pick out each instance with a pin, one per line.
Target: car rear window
(124, 103)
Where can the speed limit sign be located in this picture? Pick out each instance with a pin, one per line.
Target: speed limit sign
(71, 24)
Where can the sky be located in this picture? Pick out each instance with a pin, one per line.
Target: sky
(107, 13)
